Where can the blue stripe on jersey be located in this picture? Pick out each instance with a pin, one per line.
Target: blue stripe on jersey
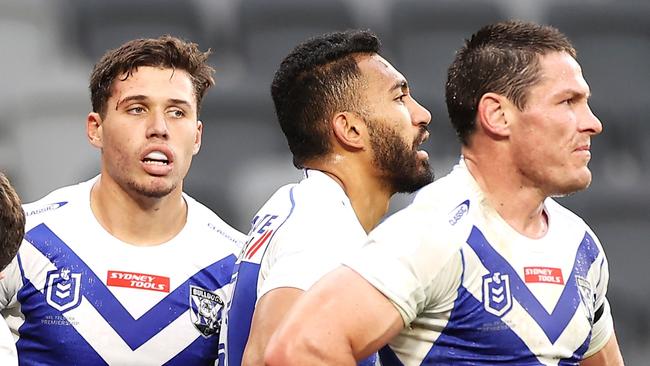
(201, 352)
(475, 337)
(135, 332)
(389, 358)
(240, 313)
(552, 324)
(46, 337)
(577, 355)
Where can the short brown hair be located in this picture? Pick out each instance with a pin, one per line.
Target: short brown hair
(501, 58)
(12, 222)
(165, 52)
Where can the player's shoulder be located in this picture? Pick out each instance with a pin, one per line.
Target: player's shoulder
(567, 220)
(58, 202)
(449, 199)
(440, 216)
(207, 222)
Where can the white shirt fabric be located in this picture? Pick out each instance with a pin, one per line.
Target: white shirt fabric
(77, 295)
(472, 290)
(302, 232)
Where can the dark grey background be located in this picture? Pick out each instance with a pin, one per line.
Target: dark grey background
(49, 46)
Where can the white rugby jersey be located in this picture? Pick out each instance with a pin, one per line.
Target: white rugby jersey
(77, 295)
(302, 232)
(473, 291)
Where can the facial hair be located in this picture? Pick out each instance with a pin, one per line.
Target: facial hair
(403, 171)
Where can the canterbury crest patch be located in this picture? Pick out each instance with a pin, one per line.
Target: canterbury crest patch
(586, 296)
(62, 289)
(497, 298)
(205, 311)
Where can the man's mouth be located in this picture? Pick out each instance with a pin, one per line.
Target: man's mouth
(156, 158)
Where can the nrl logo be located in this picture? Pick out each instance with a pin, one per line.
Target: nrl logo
(205, 311)
(62, 288)
(497, 298)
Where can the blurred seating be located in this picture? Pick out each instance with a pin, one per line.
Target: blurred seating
(425, 37)
(268, 30)
(98, 25)
(613, 44)
(49, 144)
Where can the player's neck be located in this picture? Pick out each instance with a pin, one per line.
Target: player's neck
(368, 196)
(137, 220)
(518, 204)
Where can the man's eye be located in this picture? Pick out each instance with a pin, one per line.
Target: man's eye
(136, 110)
(177, 113)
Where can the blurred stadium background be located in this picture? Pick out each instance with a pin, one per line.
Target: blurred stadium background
(50, 46)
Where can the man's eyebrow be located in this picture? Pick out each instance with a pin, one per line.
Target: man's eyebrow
(144, 98)
(180, 101)
(574, 93)
(400, 84)
(138, 98)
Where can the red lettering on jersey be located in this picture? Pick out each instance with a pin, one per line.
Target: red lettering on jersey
(137, 280)
(543, 275)
(257, 245)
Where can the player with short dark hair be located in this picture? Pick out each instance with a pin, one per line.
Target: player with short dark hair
(484, 267)
(126, 268)
(354, 127)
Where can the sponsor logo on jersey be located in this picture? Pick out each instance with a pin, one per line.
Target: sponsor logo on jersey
(62, 289)
(497, 298)
(205, 311)
(586, 296)
(543, 275)
(458, 212)
(50, 207)
(139, 281)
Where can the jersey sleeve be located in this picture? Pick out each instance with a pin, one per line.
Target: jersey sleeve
(8, 353)
(299, 256)
(10, 284)
(603, 326)
(405, 262)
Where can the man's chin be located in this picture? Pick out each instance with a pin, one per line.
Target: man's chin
(156, 189)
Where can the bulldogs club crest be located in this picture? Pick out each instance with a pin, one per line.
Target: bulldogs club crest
(497, 298)
(62, 289)
(205, 311)
(586, 296)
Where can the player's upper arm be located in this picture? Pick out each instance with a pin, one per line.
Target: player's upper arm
(10, 284)
(609, 355)
(269, 312)
(340, 320)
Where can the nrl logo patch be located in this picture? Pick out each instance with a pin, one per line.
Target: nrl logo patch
(205, 311)
(62, 289)
(497, 298)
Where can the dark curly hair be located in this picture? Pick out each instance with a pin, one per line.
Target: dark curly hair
(317, 79)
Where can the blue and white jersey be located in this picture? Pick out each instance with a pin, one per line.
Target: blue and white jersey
(473, 291)
(75, 295)
(302, 232)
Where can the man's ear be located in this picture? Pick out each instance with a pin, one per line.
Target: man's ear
(94, 129)
(493, 114)
(349, 129)
(197, 138)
